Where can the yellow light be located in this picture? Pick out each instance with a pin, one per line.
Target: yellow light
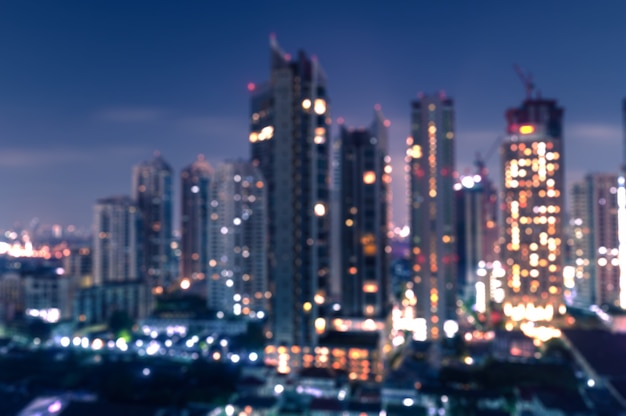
(185, 284)
(320, 325)
(369, 177)
(306, 103)
(432, 129)
(370, 288)
(254, 136)
(266, 133)
(307, 306)
(319, 106)
(415, 151)
(527, 129)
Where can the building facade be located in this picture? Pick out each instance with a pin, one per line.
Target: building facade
(363, 207)
(533, 185)
(432, 214)
(477, 235)
(289, 140)
(152, 191)
(194, 241)
(596, 243)
(117, 241)
(237, 274)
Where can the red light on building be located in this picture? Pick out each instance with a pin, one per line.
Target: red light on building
(251, 86)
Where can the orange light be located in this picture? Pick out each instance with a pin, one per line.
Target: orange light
(527, 129)
(370, 288)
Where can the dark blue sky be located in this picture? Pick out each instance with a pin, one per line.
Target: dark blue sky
(89, 88)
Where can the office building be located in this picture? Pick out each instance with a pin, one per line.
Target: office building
(363, 207)
(289, 140)
(237, 283)
(477, 235)
(152, 191)
(117, 241)
(596, 243)
(533, 185)
(432, 215)
(194, 241)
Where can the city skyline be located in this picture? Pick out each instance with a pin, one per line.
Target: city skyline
(78, 95)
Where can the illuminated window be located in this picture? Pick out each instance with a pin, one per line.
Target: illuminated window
(319, 106)
(369, 177)
(319, 209)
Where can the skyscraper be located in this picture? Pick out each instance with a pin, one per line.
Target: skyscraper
(364, 178)
(533, 174)
(477, 234)
(195, 182)
(117, 241)
(289, 140)
(432, 213)
(237, 281)
(596, 244)
(152, 191)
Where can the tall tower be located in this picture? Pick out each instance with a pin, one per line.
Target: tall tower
(116, 246)
(289, 141)
(363, 210)
(152, 191)
(237, 283)
(595, 217)
(433, 214)
(195, 182)
(621, 215)
(532, 159)
(477, 233)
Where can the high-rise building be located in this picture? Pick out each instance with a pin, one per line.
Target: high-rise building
(289, 140)
(596, 244)
(477, 234)
(533, 185)
(152, 191)
(363, 206)
(195, 183)
(237, 279)
(432, 214)
(117, 241)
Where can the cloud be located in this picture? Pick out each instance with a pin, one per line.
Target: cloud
(594, 131)
(129, 114)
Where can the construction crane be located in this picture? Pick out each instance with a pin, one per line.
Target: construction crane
(527, 79)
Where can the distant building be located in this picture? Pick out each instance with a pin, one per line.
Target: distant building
(237, 276)
(432, 213)
(152, 191)
(596, 244)
(79, 264)
(363, 207)
(533, 187)
(117, 241)
(195, 183)
(289, 142)
(96, 304)
(36, 288)
(477, 234)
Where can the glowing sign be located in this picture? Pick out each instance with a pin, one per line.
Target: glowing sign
(527, 129)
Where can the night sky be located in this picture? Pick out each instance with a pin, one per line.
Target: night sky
(90, 88)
